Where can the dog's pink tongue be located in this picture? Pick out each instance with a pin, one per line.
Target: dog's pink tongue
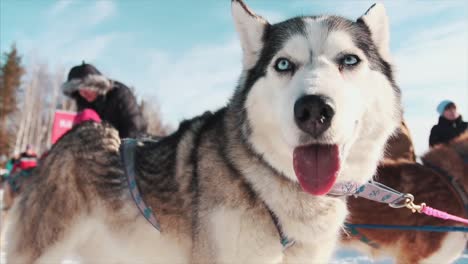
(316, 167)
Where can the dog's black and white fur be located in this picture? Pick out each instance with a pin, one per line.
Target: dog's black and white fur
(216, 182)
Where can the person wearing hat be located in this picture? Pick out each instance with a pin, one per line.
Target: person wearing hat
(111, 100)
(450, 124)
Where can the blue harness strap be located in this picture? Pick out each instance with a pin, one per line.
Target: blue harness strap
(353, 229)
(354, 232)
(285, 241)
(127, 152)
(463, 229)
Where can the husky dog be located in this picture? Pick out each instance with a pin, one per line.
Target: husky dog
(315, 104)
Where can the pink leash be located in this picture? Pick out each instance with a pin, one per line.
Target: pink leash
(441, 214)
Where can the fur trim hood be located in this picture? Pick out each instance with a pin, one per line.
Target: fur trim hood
(94, 82)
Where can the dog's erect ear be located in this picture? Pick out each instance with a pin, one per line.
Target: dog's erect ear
(377, 20)
(250, 28)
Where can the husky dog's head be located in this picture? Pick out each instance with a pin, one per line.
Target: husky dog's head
(317, 95)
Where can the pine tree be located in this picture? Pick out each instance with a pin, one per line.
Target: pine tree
(11, 72)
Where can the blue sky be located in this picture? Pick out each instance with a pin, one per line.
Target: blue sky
(186, 56)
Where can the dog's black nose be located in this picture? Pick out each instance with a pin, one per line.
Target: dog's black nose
(313, 114)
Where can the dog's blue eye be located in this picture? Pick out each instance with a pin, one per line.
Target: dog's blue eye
(283, 65)
(350, 60)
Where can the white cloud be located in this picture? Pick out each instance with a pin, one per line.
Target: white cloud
(398, 11)
(88, 48)
(271, 16)
(74, 15)
(434, 56)
(198, 80)
(403, 11)
(71, 38)
(100, 11)
(58, 7)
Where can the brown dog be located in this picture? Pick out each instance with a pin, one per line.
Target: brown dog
(400, 146)
(429, 183)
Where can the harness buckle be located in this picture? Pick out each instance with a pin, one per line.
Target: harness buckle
(408, 202)
(403, 201)
(414, 207)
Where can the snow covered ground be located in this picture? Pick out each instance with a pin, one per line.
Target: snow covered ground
(342, 256)
(345, 256)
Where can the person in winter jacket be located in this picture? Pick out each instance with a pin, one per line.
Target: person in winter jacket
(26, 161)
(450, 124)
(22, 166)
(11, 163)
(111, 100)
(9, 166)
(19, 175)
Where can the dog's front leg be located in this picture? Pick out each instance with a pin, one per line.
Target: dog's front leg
(203, 250)
(236, 235)
(320, 252)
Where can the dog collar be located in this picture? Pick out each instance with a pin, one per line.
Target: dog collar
(371, 190)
